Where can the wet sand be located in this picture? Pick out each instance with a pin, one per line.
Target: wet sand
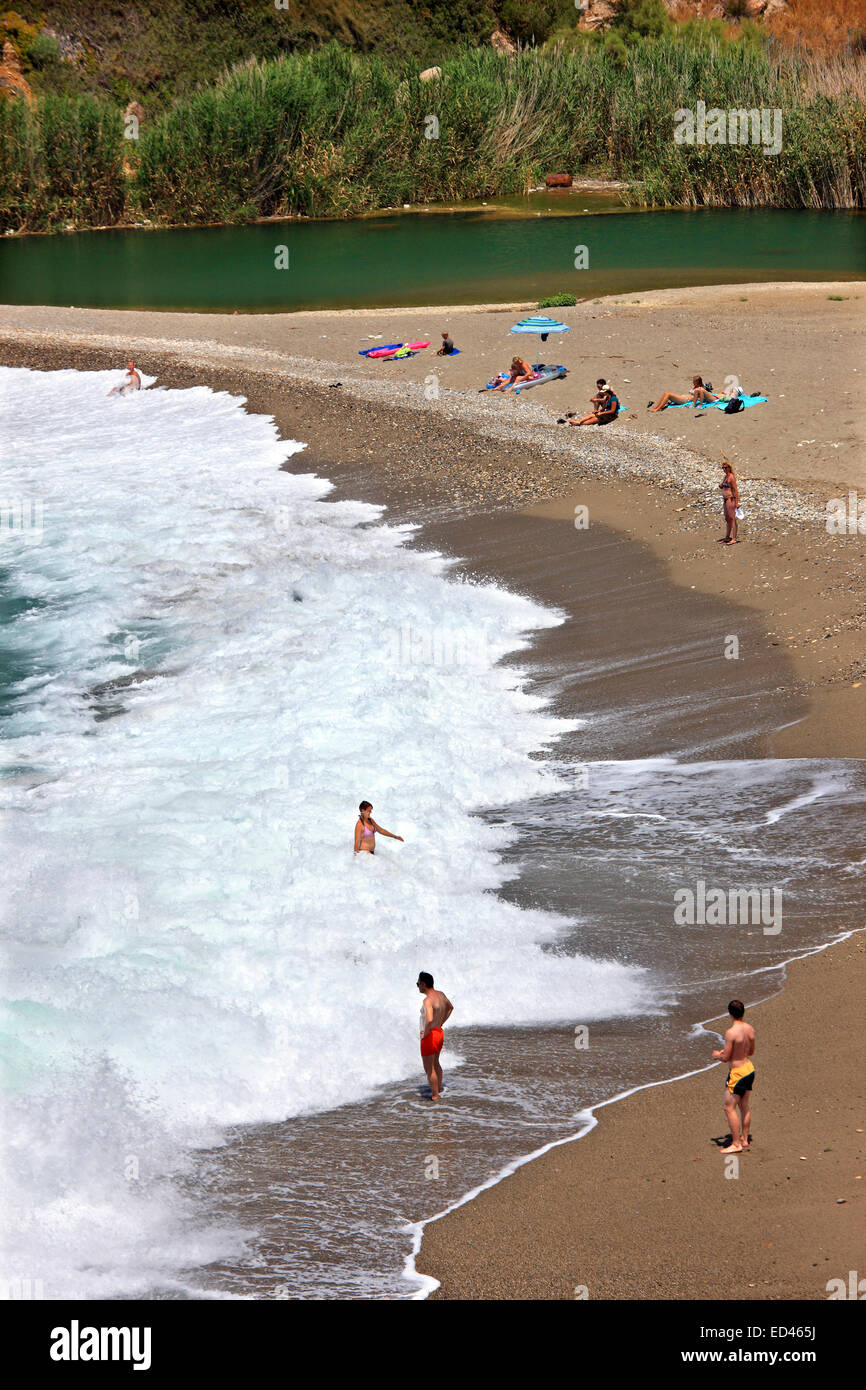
(642, 1216)
(643, 1207)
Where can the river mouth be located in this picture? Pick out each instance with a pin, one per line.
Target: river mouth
(580, 244)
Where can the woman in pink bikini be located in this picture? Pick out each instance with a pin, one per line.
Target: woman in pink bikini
(365, 831)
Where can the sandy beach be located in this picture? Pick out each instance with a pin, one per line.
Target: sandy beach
(429, 446)
(437, 445)
(801, 344)
(642, 1207)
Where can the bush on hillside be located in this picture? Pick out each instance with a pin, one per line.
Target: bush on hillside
(42, 51)
(647, 18)
(533, 21)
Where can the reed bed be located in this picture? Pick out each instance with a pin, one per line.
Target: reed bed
(335, 134)
(61, 164)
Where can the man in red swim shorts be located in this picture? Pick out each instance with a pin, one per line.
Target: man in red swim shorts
(435, 1011)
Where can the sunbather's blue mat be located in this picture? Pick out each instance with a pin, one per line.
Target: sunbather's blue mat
(718, 405)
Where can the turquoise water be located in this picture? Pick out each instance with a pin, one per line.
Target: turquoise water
(461, 257)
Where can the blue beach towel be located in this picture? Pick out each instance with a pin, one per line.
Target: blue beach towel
(378, 347)
(717, 405)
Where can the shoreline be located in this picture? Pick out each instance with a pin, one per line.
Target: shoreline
(833, 726)
(439, 1257)
(460, 452)
(430, 1284)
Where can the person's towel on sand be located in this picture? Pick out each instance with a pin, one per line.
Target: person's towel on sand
(719, 405)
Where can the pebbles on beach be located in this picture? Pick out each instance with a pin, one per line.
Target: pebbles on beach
(517, 421)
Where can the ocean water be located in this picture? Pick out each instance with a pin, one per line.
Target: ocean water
(211, 1080)
(205, 666)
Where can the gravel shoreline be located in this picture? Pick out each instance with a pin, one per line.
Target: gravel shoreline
(600, 453)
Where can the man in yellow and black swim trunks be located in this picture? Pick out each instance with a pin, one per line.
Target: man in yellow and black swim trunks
(738, 1051)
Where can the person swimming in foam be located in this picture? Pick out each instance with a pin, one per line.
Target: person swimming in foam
(366, 828)
(131, 382)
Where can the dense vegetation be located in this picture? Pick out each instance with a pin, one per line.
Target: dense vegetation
(332, 132)
(157, 50)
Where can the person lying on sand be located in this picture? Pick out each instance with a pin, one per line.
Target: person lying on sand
(365, 830)
(738, 1051)
(435, 1011)
(606, 408)
(699, 395)
(731, 502)
(520, 371)
(131, 382)
(447, 346)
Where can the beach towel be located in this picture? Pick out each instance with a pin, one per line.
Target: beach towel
(718, 405)
(378, 351)
(388, 351)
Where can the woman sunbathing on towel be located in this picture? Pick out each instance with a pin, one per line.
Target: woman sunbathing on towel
(699, 395)
(520, 372)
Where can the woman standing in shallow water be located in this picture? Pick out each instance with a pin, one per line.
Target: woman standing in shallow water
(365, 830)
(731, 501)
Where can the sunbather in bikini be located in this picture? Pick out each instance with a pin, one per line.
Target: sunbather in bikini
(699, 395)
(520, 371)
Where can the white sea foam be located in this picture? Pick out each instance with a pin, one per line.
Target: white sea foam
(190, 941)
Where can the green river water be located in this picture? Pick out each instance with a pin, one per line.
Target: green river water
(514, 249)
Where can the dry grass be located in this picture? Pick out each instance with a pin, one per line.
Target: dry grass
(833, 75)
(819, 26)
(825, 25)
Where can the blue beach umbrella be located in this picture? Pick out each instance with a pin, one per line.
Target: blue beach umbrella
(539, 324)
